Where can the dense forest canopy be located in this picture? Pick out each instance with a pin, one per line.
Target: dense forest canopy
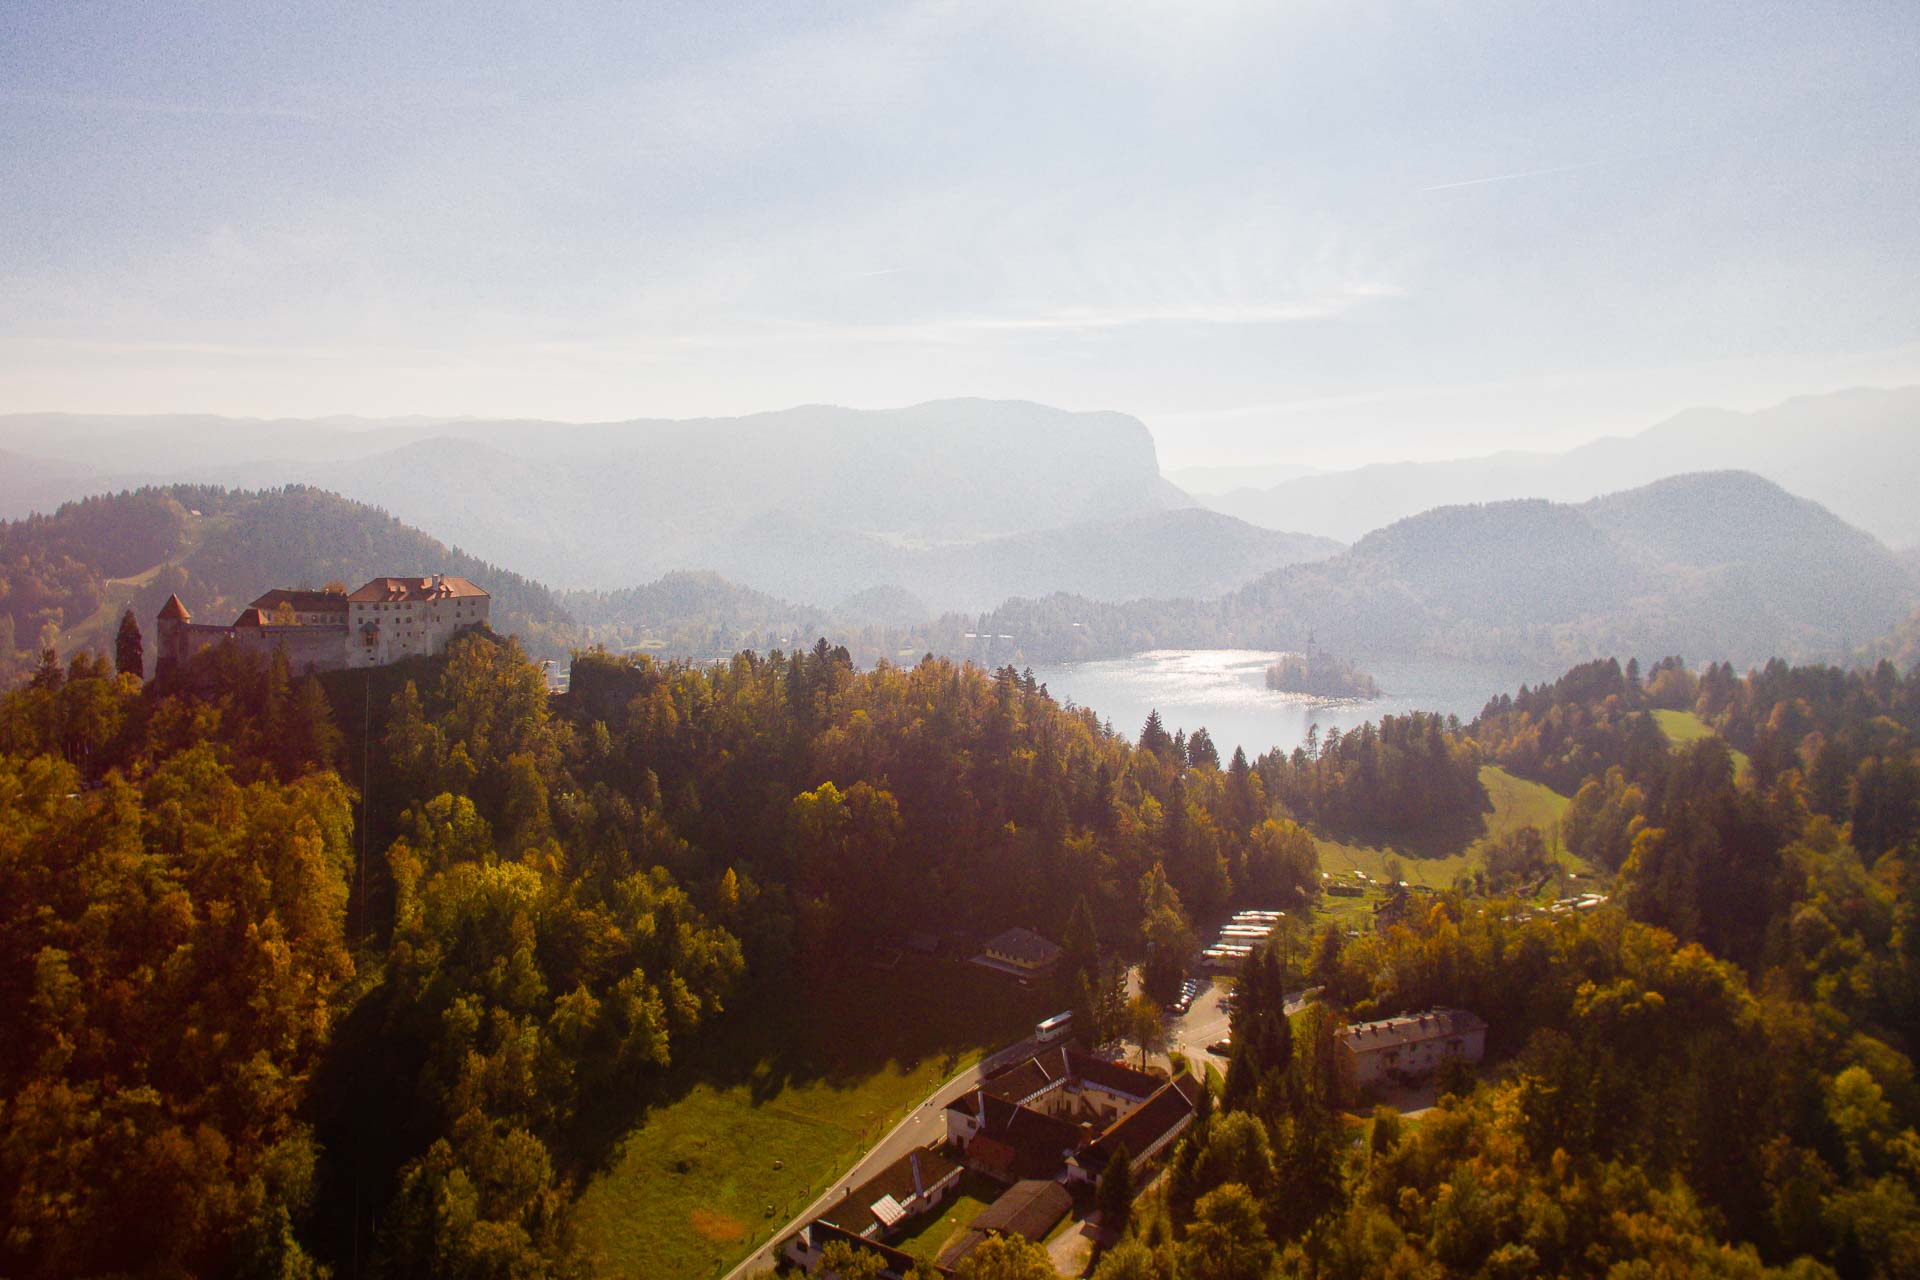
(373, 959)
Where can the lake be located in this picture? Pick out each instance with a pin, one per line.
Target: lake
(1225, 690)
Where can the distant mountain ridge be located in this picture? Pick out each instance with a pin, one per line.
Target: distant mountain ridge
(1855, 452)
(962, 503)
(1720, 565)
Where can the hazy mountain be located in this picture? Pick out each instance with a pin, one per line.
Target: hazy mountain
(1711, 566)
(1191, 551)
(610, 504)
(815, 501)
(29, 484)
(1226, 479)
(882, 606)
(1855, 452)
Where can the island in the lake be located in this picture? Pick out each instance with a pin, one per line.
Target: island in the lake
(1319, 674)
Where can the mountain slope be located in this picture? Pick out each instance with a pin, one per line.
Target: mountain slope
(1191, 551)
(1712, 566)
(609, 504)
(1854, 452)
(67, 576)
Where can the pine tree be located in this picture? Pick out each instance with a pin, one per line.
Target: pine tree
(129, 649)
(1154, 737)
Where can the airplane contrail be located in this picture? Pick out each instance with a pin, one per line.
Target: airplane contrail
(1511, 177)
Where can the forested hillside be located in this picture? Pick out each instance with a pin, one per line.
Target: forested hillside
(1721, 564)
(561, 894)
(1711, 1077)
(65, 578)
(233, 1046)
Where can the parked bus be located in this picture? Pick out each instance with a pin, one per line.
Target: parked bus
(1054, 1028)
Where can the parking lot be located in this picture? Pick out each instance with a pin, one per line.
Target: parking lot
(1205, 1022)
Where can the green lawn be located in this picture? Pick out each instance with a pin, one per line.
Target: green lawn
(1515, 802)
(1683, 727)
(808, 1076)
(927, 1236)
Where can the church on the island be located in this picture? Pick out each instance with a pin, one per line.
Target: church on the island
(384, 621)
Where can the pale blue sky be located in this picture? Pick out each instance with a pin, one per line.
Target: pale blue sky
(1332, 232)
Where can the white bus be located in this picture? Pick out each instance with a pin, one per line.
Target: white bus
(1054, 1028)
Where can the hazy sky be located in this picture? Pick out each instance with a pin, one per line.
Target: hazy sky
(1326, 232)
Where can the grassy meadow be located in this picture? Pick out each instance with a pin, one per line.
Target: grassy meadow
(1514, 802)
(1683, 727)
(780, 1099)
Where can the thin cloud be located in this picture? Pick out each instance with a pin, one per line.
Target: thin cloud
(1514, 177)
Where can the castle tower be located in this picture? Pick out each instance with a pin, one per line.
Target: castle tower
(173, 624)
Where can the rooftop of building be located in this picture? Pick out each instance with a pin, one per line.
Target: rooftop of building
(823, 1233)
(301, 600)
(1025, 945)
(1022, 1080)
(1020, 1142)
(1029, 1208)
(1114, 1077)
(1141, 1128)
(881, 1198)
(1410, 1028)
(1069, 1063)
(437, 586)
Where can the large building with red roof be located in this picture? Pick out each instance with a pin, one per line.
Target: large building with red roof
(384, 621)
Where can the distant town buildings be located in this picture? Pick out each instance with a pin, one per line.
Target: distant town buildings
(1411, 1045)
(384, 621)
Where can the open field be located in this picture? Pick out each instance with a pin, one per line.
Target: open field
(807, 1076)
(1515, 803)
(1683, 727)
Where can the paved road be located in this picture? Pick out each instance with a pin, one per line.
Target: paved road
(1207, 1022)
(924, 1124)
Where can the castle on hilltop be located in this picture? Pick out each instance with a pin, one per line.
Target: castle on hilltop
(384, 621)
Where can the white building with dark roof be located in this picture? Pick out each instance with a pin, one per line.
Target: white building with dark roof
(1413, 1044)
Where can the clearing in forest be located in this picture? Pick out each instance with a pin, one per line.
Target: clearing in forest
(781, 1098)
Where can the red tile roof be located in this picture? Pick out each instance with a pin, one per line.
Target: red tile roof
(175, 610)
(432, 587)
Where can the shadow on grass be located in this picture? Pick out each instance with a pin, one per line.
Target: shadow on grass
(1444, 837)
(833, 1020)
